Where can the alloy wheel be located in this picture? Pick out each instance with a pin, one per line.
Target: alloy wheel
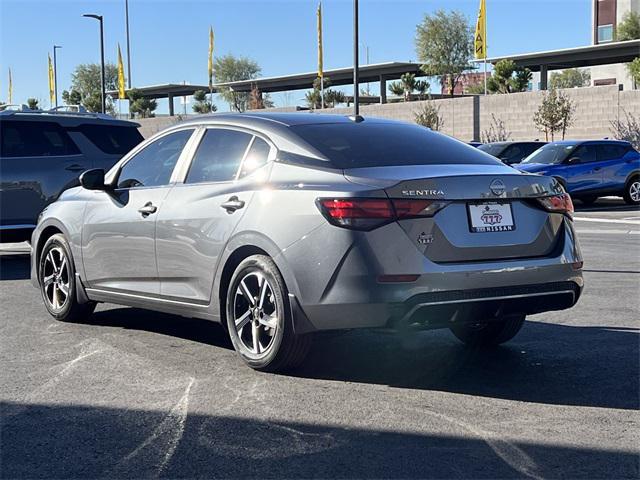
(255, 313)
(634, 191)
(55, 278)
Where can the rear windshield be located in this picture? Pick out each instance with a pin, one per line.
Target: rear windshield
(355, 145)
(492, 149)
(110, 138)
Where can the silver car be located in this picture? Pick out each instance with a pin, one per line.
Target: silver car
(283, 225)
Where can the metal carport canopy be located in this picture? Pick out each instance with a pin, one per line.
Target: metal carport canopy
(588, 56)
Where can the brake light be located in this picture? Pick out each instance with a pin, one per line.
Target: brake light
(369, 213)
(557, 203)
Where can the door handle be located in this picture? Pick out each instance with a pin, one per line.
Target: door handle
(232, 204)
(148, 209)
(75, 167)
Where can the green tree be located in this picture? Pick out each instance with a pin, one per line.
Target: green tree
(508, 78)
(139, 105)
(203, 104)
(407, 85)
(570, 78)
(429, 116)
(444, 45)
(32, 103)
(629, 27)
(634, 70)
(555, 114)
(331, 97)
(229, 68)
(85, 82)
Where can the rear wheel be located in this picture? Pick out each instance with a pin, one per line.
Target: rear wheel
(56, 273)
(632, 191)
(489, 333)
(259, 319)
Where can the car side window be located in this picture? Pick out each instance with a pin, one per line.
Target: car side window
(511, 152)
(218, 156)
(610, 152)
(257, 156)
(586, 153)
(154, 164)
(35, 139)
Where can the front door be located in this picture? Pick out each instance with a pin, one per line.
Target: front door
(118, 235)
(201, 213)
(585, 175)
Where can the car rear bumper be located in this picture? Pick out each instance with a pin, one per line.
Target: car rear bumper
(353, 297)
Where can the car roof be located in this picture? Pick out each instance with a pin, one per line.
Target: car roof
(598, 141)
(287, 119)
(515, 142)
(64, 118)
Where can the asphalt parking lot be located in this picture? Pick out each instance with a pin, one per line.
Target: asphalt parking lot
(141, 394)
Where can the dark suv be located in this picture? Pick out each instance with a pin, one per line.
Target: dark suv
(43, 153)
(511, 152)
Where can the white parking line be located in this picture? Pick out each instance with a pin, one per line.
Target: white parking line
(607, 220)
(607, 231)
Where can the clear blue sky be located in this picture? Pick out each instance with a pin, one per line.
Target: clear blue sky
(169, 38)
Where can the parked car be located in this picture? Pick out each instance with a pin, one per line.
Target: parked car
(511, 152)
(43, 153)
(283, 225)
(590, 169)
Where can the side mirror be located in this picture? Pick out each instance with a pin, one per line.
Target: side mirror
(93, 179)
(573, 161)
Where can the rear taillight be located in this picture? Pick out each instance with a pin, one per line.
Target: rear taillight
(369, 213)
(557, 203)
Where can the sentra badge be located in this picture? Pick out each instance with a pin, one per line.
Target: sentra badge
(423, 193)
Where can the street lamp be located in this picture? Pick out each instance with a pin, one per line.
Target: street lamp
(55, 73)
(99, 18)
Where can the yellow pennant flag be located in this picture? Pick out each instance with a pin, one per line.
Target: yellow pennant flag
(480, 38)
(51, 83)
(320, 66)
(10, 88)
(121, 92)
(210, 58)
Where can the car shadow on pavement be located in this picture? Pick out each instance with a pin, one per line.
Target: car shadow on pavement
(192, 329)
(14, 266)
(606, 205)
(94, 441)
(546, 363)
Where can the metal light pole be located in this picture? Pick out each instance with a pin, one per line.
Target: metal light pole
(126, 16)
(356, 90)
(55, 73)
(102, 92)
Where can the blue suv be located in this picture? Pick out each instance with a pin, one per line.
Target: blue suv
(589, 169)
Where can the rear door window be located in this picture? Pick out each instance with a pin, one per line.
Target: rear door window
(111, 139)
(35, 139)
(218, 156)
(610, 151)
(257, 156)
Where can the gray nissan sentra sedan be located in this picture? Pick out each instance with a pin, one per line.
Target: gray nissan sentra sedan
(283, 225)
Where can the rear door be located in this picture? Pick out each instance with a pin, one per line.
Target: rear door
(201, 213)
(118, 235)
(38, 161)
(611, 157)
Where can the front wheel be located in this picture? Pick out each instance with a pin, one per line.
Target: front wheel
(632, 191)
(489, 333)
(56, 274)
(259, 318)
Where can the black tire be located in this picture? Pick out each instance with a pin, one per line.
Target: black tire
(66, 308)
(285, 349)
(631, 190)
(589, 200)
(490, 333)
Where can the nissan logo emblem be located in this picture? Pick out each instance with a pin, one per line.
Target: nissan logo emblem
(497, 187)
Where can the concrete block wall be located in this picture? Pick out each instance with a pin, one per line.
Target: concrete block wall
(596, 108)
